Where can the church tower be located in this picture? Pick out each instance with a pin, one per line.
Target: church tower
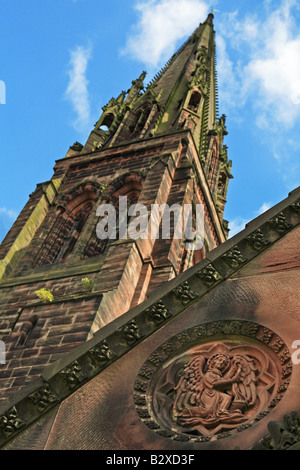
(153, 343)
(156, 144)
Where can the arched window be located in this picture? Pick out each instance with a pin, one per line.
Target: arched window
(72, 237)
(129, 186)
(143, 119)
(140, 120)
(107, 122)
(194, 101)
(73, 211)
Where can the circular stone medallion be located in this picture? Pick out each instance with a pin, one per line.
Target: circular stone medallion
(212, 380)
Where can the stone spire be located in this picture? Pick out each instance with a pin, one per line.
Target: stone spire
(182, 95)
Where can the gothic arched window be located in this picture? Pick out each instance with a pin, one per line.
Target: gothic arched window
(194, 101)
(129, 186)
(107, 122)
(141, 118)
(73, 211)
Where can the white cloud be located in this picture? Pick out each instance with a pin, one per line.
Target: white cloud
(267, 70)
(8, 213)
(237, 225)
(277, 73)
(2, 92)
(228, 79)
(77, 91)
(7, 218)
(264, 207)
(239, 30)
(160, 25)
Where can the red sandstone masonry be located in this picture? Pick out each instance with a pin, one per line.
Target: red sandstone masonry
(53, 334)
(20, 222)
(37, 335)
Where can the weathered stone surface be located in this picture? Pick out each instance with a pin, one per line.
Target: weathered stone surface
(84, 365)
(113, 371)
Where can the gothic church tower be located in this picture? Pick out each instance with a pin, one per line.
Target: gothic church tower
(155, 144)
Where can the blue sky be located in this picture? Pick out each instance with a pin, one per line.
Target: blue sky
(62, 60)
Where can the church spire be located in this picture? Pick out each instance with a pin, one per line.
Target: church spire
(181, 96)
(156, 150)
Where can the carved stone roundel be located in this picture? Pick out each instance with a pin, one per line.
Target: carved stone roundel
(212, 380)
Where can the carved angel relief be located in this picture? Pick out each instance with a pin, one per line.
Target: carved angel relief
(212, 380)
(215, 390)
